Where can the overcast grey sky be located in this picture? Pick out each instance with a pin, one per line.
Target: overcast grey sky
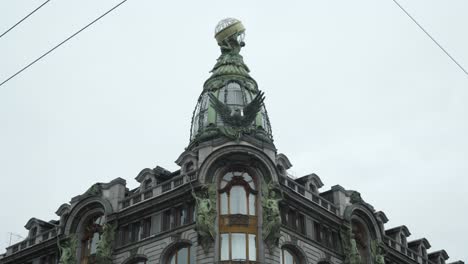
(355, 92)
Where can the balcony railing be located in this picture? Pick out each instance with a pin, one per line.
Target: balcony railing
(406, 251)
(31, 241)
(315, 198)
(157, 190)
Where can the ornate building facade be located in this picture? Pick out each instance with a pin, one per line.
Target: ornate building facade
(232, 200)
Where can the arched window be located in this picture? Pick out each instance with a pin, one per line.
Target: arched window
(90, 239)
(237, 194)
(238, 217)
(288, 257)
(182, 255)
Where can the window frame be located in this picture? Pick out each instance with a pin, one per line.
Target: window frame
(249, 225)
(296, 259)
(175, 254)
(86, 241)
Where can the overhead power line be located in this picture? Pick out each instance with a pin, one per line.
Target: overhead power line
(24, 18)
(61, 43)
(429, 35)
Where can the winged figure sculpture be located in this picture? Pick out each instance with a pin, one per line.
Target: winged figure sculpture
(238, 117)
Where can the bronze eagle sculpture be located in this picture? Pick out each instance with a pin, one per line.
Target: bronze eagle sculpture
(238, 117)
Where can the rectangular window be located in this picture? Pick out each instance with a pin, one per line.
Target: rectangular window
(318, 232)
(183, 216)
(135, 232)
(190, 213)
(166, 223)
(176, 217)
(251, 204)
(224, 204)
(124, 235)
(252, 247)
(284, 216)
(224, 246)
(301, 224)
(146, 227)
(292, 219)
(336, 241)
(94, 243)
(238, 246)
(156, 223)
(238, 200)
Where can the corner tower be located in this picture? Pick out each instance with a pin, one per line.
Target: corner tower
(230, 105)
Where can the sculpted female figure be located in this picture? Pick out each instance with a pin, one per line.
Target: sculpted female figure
(68, 250)
(205, 214)
(271, 213)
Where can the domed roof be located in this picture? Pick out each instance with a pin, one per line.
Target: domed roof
(230, 104)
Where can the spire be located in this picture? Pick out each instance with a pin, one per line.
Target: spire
(230, 104)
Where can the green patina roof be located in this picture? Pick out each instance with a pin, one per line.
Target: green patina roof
(232, 86)
(230, 66)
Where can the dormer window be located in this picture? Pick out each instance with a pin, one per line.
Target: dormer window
(423, 252)
(148, 184)
(403, 240)
(313, 188)
(33, 232)
(441, 260)
(189, 167)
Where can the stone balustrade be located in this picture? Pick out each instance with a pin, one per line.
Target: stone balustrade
(406, 251)
(31, 241)
(157, 190)
(315, 198)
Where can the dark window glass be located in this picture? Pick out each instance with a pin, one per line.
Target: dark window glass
(135, 232)
(318, 232)
(301, 224)
(166, 223)
(91, 238)
(292, 219)
(124, 235)
(184, 255)
(146, 227)
(288, 257)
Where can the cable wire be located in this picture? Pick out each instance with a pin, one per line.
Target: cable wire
(429, 35)
(24, 18)
(61, 43)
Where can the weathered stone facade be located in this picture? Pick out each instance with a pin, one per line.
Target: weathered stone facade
(231, 201)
